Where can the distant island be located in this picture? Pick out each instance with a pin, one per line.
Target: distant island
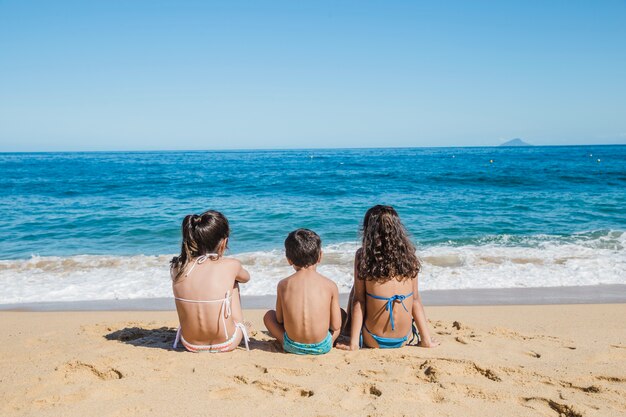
(516, 142)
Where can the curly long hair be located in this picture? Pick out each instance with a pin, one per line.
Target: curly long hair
(202, 235)
(386, 252)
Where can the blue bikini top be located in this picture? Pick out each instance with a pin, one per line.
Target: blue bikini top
(390, 302)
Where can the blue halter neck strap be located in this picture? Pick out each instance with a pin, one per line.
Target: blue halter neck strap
(390, 302)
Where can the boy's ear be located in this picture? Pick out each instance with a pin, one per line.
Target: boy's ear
(289, 260)
(319, 260)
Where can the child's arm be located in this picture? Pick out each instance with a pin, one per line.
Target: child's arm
(279, 304)
(420, 319)
(357, 309)
(358, 306)
(273, 319)
(335, 312)
(243, 275)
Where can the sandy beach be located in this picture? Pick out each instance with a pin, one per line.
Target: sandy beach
(551, 360)
(458, 165)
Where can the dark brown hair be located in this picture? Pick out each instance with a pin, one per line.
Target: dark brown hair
(386, 251)
(202, 234)
(303, 247)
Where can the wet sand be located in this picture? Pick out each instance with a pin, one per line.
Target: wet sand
(592, 294)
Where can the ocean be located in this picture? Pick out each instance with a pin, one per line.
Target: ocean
(90, 226)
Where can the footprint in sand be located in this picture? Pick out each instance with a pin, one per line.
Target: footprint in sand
(455, 366)
(103, 373)
(275, 386)
(562, 410)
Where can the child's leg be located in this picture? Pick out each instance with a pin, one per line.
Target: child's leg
(276, 329)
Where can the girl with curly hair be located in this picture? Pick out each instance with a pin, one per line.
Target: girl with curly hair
(385, 304)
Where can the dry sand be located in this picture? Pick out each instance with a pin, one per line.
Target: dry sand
(558, 360)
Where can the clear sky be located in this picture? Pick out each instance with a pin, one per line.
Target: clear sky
(143, 75)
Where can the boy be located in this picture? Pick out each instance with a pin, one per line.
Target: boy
(307, 319)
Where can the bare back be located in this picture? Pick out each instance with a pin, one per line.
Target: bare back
(201, 323)
(378, 319)
(308, 304)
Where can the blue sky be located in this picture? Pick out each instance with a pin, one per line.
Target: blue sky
(143, 75)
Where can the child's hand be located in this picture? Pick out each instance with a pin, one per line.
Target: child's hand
(343, 346)
(429, 344)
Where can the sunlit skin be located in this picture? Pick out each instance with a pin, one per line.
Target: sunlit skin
(201, 323)
(372, 311)
(385, 300)
(307, 307)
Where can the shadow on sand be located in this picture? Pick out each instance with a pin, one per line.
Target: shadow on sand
(163, 338)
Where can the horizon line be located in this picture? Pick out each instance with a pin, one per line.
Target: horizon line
(304, 149)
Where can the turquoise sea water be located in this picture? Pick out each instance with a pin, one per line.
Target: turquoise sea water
(67, 213)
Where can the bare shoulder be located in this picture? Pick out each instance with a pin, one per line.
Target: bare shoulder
(283, 283)
(329, 283)
(231, 263)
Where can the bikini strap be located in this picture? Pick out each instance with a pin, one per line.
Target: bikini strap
(416, 335)
(239, 326)
(390, 303)
(221, 300)
(200, 259)
(244, 332)
(177, 339)
(225, 311)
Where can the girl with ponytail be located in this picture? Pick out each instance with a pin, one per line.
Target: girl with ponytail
(206, 286)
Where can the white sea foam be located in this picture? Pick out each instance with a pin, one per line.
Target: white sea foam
(500, 262)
